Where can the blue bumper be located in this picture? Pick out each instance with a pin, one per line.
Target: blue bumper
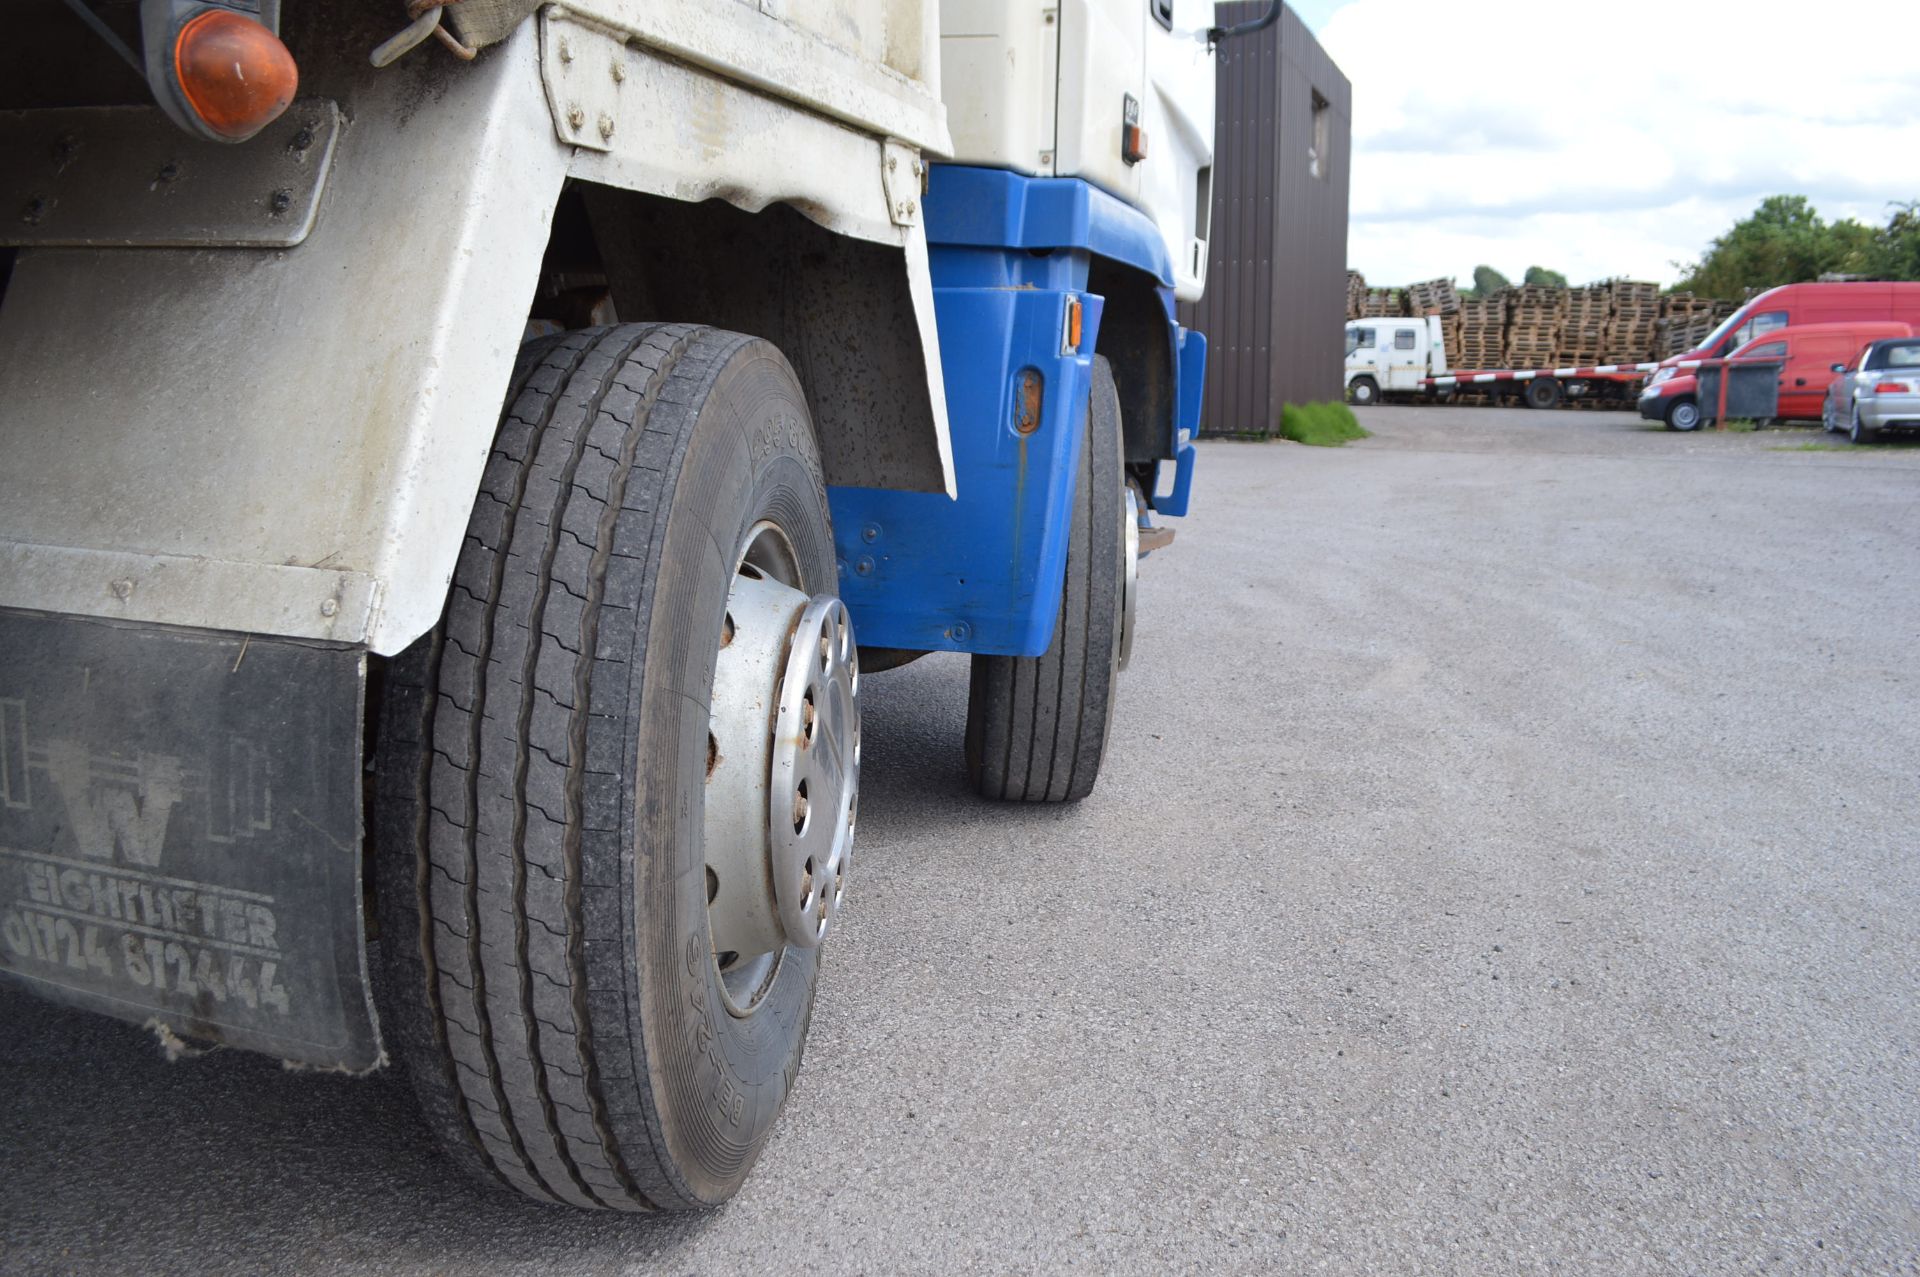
(982, 572)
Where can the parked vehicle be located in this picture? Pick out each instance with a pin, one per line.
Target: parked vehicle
(1809, 352)
(1879, 389)
(1404, 358)
(1797, 305)
(851, 340)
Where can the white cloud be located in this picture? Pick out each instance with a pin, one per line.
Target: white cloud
(1615, 140)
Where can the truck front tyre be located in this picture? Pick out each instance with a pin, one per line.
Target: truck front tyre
(1363, 391)
(1683, 414)
(1543, 392)
(616, 785)
(1037, 725)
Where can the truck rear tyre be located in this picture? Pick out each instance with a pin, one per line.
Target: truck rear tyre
(1037, 725)
(642, 694)
(1363, 391)
(1683, 414)
(1543, 392)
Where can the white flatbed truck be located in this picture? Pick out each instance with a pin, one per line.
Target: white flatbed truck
(1402, 360)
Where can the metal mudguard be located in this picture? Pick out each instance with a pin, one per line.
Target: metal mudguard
(180, 832)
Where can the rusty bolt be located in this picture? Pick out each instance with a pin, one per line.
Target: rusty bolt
(870, 533)
(123, 588)
(303, 139)
(328, 607)
(865, 566)
(36, 209)
(280, 202)
(606, 127)
(576, 118)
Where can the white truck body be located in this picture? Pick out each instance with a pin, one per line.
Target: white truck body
(179, 488)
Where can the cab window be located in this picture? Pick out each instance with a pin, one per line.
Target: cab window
(1403, 338)
(1359, 339)
(1772, 350)
(1759, 326)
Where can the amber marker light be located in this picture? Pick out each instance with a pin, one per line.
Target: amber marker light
(234, 73)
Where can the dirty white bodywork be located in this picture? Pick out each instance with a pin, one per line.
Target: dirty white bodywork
(289, 441)
(1041, 91)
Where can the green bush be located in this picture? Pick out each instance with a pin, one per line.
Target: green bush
(1322, 425)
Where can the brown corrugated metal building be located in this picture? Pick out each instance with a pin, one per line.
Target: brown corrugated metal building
(1276, 294)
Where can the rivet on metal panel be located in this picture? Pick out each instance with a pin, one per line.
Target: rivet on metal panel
(123, 588)
(1050, 16)
(959, 631)
(36, 209)
(303, 139)
(893, 163)
(566, 51)
(606, 127)
(64, 149)
(329, 607)
(619, 70)
(865, 566)
(870, 533)
(575, 118)
(279, 202)
(167, 173)
(1046, 157)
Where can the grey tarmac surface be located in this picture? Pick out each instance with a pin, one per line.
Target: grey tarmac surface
(1507, 862)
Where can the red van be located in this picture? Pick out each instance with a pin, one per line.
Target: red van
(1796, 305)
(1669, 394)
(1810, 352)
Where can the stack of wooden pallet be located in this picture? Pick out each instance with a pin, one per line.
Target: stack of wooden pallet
(1356, 292)
(1536, 316)
(1584, 333)
(1433, 297)
(1685, 321)
(1382, 303)
(1482, 339)
(1631, 336)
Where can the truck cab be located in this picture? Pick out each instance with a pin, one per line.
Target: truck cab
(1392, 356)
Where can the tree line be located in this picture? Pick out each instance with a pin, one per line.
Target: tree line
(1783, 241)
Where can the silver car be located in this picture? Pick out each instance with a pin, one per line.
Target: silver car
(1879, 391)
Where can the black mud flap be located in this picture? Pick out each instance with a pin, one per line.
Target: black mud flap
(180, 832)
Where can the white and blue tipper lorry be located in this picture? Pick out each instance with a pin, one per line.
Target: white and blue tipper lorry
(462, 466)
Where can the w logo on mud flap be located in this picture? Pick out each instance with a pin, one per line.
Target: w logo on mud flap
(121, 807)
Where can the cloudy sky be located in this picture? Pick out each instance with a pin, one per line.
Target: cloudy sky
(1617, 139)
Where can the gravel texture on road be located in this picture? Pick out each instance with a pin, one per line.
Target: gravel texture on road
(1507, 861)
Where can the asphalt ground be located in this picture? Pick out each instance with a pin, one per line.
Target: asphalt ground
(1506, 862)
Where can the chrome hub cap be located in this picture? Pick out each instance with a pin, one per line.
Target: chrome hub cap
(783, 769)
(816, 772)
